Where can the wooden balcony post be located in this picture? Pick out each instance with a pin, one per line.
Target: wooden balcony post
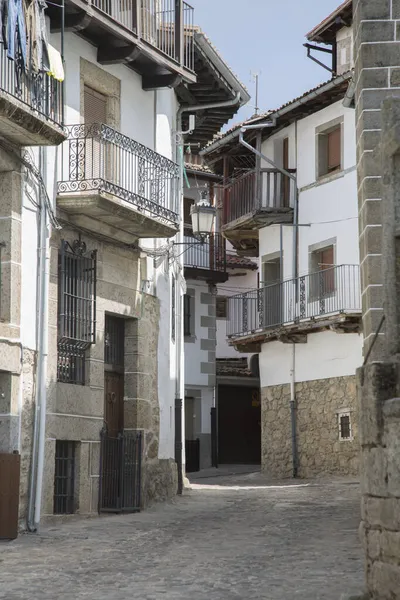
(225, 196)
(179, 34)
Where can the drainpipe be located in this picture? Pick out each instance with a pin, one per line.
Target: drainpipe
(39, 434)
(293, 177)
(179, 385)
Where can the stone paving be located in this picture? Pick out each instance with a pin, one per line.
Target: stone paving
(229, 538)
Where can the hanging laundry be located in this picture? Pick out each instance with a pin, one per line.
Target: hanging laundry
(56, 66)
(16, 30)
(38, 54)
(3, 21)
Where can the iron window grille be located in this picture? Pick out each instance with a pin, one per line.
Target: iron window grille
(114, 337)
(345, 429)
(76, 310)
(222, 307)
(64, 478)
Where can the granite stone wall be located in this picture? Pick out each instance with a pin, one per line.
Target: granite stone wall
(320, 451)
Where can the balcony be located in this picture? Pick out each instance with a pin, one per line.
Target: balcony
(288, 311)
(153, 37)
(31, 105)
(258, 198)
(207, 261)
(116, 187)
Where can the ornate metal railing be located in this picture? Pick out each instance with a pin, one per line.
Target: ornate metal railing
(258, 190)
(39, 92)
(99, 158)
(326, 292)
(159, 23)
(209, 256)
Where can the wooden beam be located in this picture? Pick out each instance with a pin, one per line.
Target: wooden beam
(155, 82)
(108, 55)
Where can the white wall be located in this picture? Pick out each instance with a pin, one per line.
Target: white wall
(326, 354)
(330, 207)
(194, 355)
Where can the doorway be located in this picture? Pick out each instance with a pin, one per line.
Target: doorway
(272, 292)
(114, 340)
(239, 425)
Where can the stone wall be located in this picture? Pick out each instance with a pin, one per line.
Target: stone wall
(319, 449)
(377, 79)
(76, 412)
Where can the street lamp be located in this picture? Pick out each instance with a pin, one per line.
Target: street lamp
(203, 216)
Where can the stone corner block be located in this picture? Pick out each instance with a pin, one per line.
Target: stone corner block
(391, 409)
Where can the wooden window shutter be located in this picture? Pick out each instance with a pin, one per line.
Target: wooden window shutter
(326, 258)
(334, 149)
(95, 106)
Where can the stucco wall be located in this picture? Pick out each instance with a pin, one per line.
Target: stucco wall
(319, 448)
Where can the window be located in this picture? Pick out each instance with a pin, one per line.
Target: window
(322, 267)
(345, 430)
(187, 220)
(222, 307)
(187, 315)
(64, 478)
(76, 310)
(173, 316)
(329, 150)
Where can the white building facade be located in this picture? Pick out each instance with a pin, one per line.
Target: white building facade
(297, 212)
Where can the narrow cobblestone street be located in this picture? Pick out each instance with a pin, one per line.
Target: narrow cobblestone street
(233, 537)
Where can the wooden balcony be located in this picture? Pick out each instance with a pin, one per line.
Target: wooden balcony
(256, 199)
(289, 310)
(153, 37)
(207, 261)
(31, 105)
(116, 187)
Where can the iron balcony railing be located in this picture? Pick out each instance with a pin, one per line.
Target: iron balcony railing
(211, 255)
(258, 190)
(157, 22)
(326, 292)
(39, 92)
(99, 158)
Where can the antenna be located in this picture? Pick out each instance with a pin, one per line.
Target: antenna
(256, 77)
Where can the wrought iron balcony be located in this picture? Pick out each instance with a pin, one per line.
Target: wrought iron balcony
(31, 104)
(258, 198)
(330, 297)
(154, 37)
(117, 187)
(205, 261)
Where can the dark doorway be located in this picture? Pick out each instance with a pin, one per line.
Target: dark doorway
(114, 340)
(239, 425)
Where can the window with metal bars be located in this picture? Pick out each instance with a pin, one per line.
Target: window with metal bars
(114, 338)
(76, 310)
(345, 430)
(187, 315)
(64, 478)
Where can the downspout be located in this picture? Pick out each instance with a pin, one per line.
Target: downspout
(294, 270)
(39, 435)
(179, 383)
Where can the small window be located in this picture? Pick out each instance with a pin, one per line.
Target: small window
(222, 307)
(323, 269)
(64, 478)
(345, 431)
(187, 220)
(187, 316)
(329, 151)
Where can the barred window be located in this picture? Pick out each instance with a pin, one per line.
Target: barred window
(187, 315)
(345, 430)
(76, 310)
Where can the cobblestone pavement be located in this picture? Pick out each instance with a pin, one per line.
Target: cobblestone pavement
(226, 539)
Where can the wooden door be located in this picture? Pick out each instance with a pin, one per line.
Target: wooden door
(114, 402)
(95, 112)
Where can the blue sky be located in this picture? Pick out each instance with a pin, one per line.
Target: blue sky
(266, 36)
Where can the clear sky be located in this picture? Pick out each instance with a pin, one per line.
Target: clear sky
(266, 36)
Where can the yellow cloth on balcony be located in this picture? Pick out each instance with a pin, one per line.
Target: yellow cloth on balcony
(56, 65)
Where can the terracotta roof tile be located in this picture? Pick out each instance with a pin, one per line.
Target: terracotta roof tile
(336, 13)
(233, 262)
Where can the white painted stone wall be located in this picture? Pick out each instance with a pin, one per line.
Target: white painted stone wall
(330, 207)
(194, 355)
